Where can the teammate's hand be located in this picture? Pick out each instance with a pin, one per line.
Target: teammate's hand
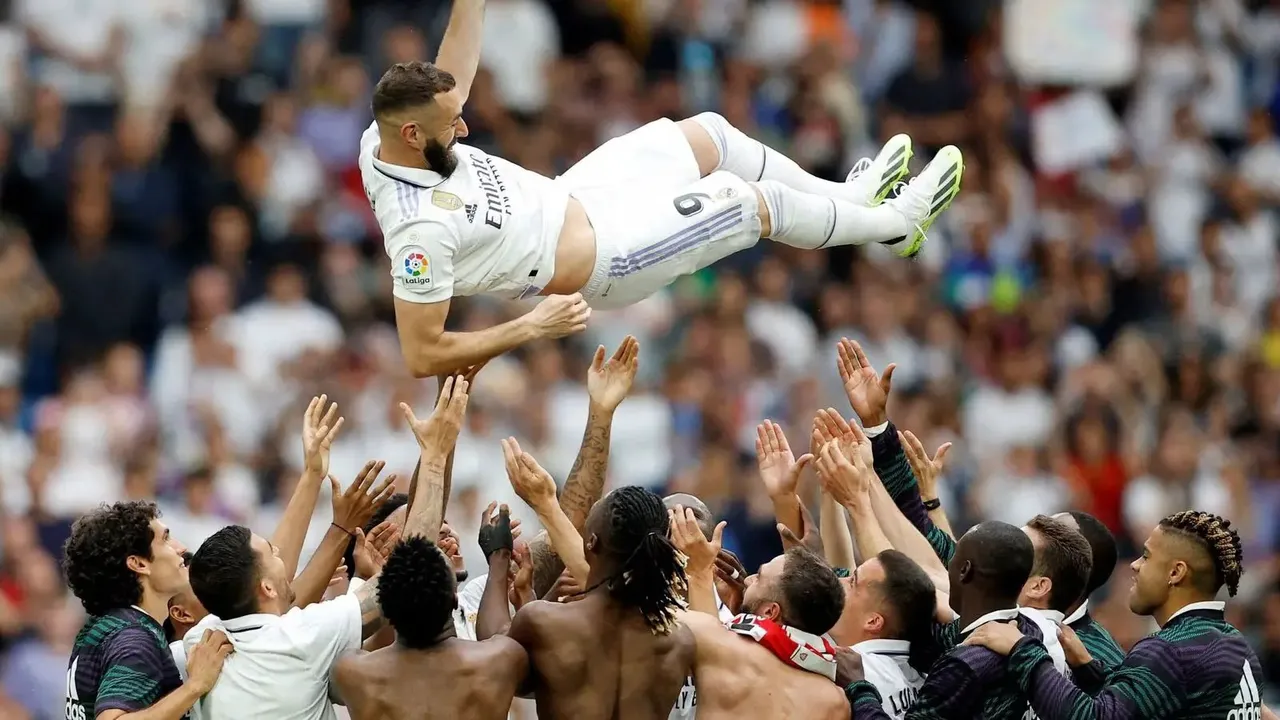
(495, 531)
(868, 392)
(812, 540)
(439, 432)
(532, 484)
(1077, 654)
(731, 580)
(687, 536)
(846, 478)
(353, 507)
(828, 426)
(848, 667)
(521, 592)
(319, 428)
(204, 662)
(372, 550)
(998, 637)
(565, 589)
(468, 374)
(779, 468)
(926, 469)
(609, 381)
(560, 315)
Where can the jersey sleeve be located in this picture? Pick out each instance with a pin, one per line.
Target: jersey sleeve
(894, 470)
(1148, 684)
(421, 255)
(132, 665)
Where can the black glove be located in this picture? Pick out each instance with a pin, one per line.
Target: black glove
(495, 535)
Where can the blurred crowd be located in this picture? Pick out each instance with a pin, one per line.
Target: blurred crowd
(186, 257)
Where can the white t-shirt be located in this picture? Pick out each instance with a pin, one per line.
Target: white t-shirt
(280, 667)
(885, 664)
(489, 228)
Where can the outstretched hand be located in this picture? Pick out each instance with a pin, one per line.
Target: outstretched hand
(531, 482)
(846, 477)
(779, 468)
(927, 469)
(812, 538)
(867, 391)
(439, 432)
(353, 507)
(609, 381)
(686, 535)
(319, 428)
(495, 531)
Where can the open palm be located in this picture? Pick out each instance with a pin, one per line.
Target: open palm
(609, 381)
(868, 392)
(779, 468)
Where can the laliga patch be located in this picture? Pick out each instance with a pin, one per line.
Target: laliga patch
(445, 200)
(413, 267)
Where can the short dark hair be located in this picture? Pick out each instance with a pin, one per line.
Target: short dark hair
(95, 556)
(1065, 559)
(547, 565)
(380, 514)
(409, 84)
(811, 594)
(910, 594)
(417, 592)
(224, 573)
(1001, 556)
(1102, 545)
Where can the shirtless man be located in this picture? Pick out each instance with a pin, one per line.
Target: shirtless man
(619, 652)
(417, 594)
(773, 661)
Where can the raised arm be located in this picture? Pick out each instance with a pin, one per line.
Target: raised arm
(699, 569)
(319, 428)
(352, 508)
(927, 469)
(436, 437)
(608, 383)
(460, 49)
(780, 472)
(536, 487)
(498, 546)
(847, 477)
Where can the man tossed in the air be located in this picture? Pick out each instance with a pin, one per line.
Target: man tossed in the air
(662, 201)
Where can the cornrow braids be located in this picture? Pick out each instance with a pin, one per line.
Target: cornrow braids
(650, 574)
(1221, 541)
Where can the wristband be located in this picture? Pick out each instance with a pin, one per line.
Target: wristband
(348, 532)
(875, 430)
(933, 504)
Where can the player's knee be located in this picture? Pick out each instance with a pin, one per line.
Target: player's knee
(767, 196)
(707, 136)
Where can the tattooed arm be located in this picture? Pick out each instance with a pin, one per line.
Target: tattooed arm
(608, 383)
(436, 437)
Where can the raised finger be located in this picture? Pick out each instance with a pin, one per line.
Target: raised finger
(388, 488)
(446, 390)
(408, 414)
(329, 433)
(487, 517)
(859, 436)
(940, 457)
(717, 535)
(309, 417)
(330, 415)
(782, 437)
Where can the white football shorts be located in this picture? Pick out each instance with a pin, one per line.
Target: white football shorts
(654, 219)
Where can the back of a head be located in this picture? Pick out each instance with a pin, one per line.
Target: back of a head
(408, 85)
(812, 597)
(1064, 558)
(706, 521)
(96, 555)
(547, 565)
(1213, 535)
(910, 594)
(417, 592)
(224, 573)
(648, 572)
(1102, 547)
(1000, 556)
(393, 503)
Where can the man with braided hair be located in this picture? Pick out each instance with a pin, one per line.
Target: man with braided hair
(1197, 665)
(618, 652)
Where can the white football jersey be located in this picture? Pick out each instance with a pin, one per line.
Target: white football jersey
(489, 228)
(1047, 621)
(885, 664)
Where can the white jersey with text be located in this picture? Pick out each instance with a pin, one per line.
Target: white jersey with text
(885, 664)
(491, 227)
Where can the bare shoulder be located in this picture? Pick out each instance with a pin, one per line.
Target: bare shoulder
(348, 666)
(504, 651)
(530, 620)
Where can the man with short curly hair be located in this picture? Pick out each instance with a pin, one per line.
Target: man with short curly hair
(124, 566)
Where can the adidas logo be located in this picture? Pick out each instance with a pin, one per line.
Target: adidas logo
(471, 212)
(1248, 701)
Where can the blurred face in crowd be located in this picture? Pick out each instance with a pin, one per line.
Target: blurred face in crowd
(90, 217)
(273, 585)
(287, 284)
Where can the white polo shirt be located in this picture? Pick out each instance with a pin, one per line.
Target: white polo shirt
(491, 227)
(885, 664)
(280, 667)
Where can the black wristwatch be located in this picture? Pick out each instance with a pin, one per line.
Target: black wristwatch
(932, 505)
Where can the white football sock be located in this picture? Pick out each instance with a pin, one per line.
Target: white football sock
(754, 161)
(809, 221)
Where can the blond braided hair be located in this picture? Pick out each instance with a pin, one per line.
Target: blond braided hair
(1215, 534)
